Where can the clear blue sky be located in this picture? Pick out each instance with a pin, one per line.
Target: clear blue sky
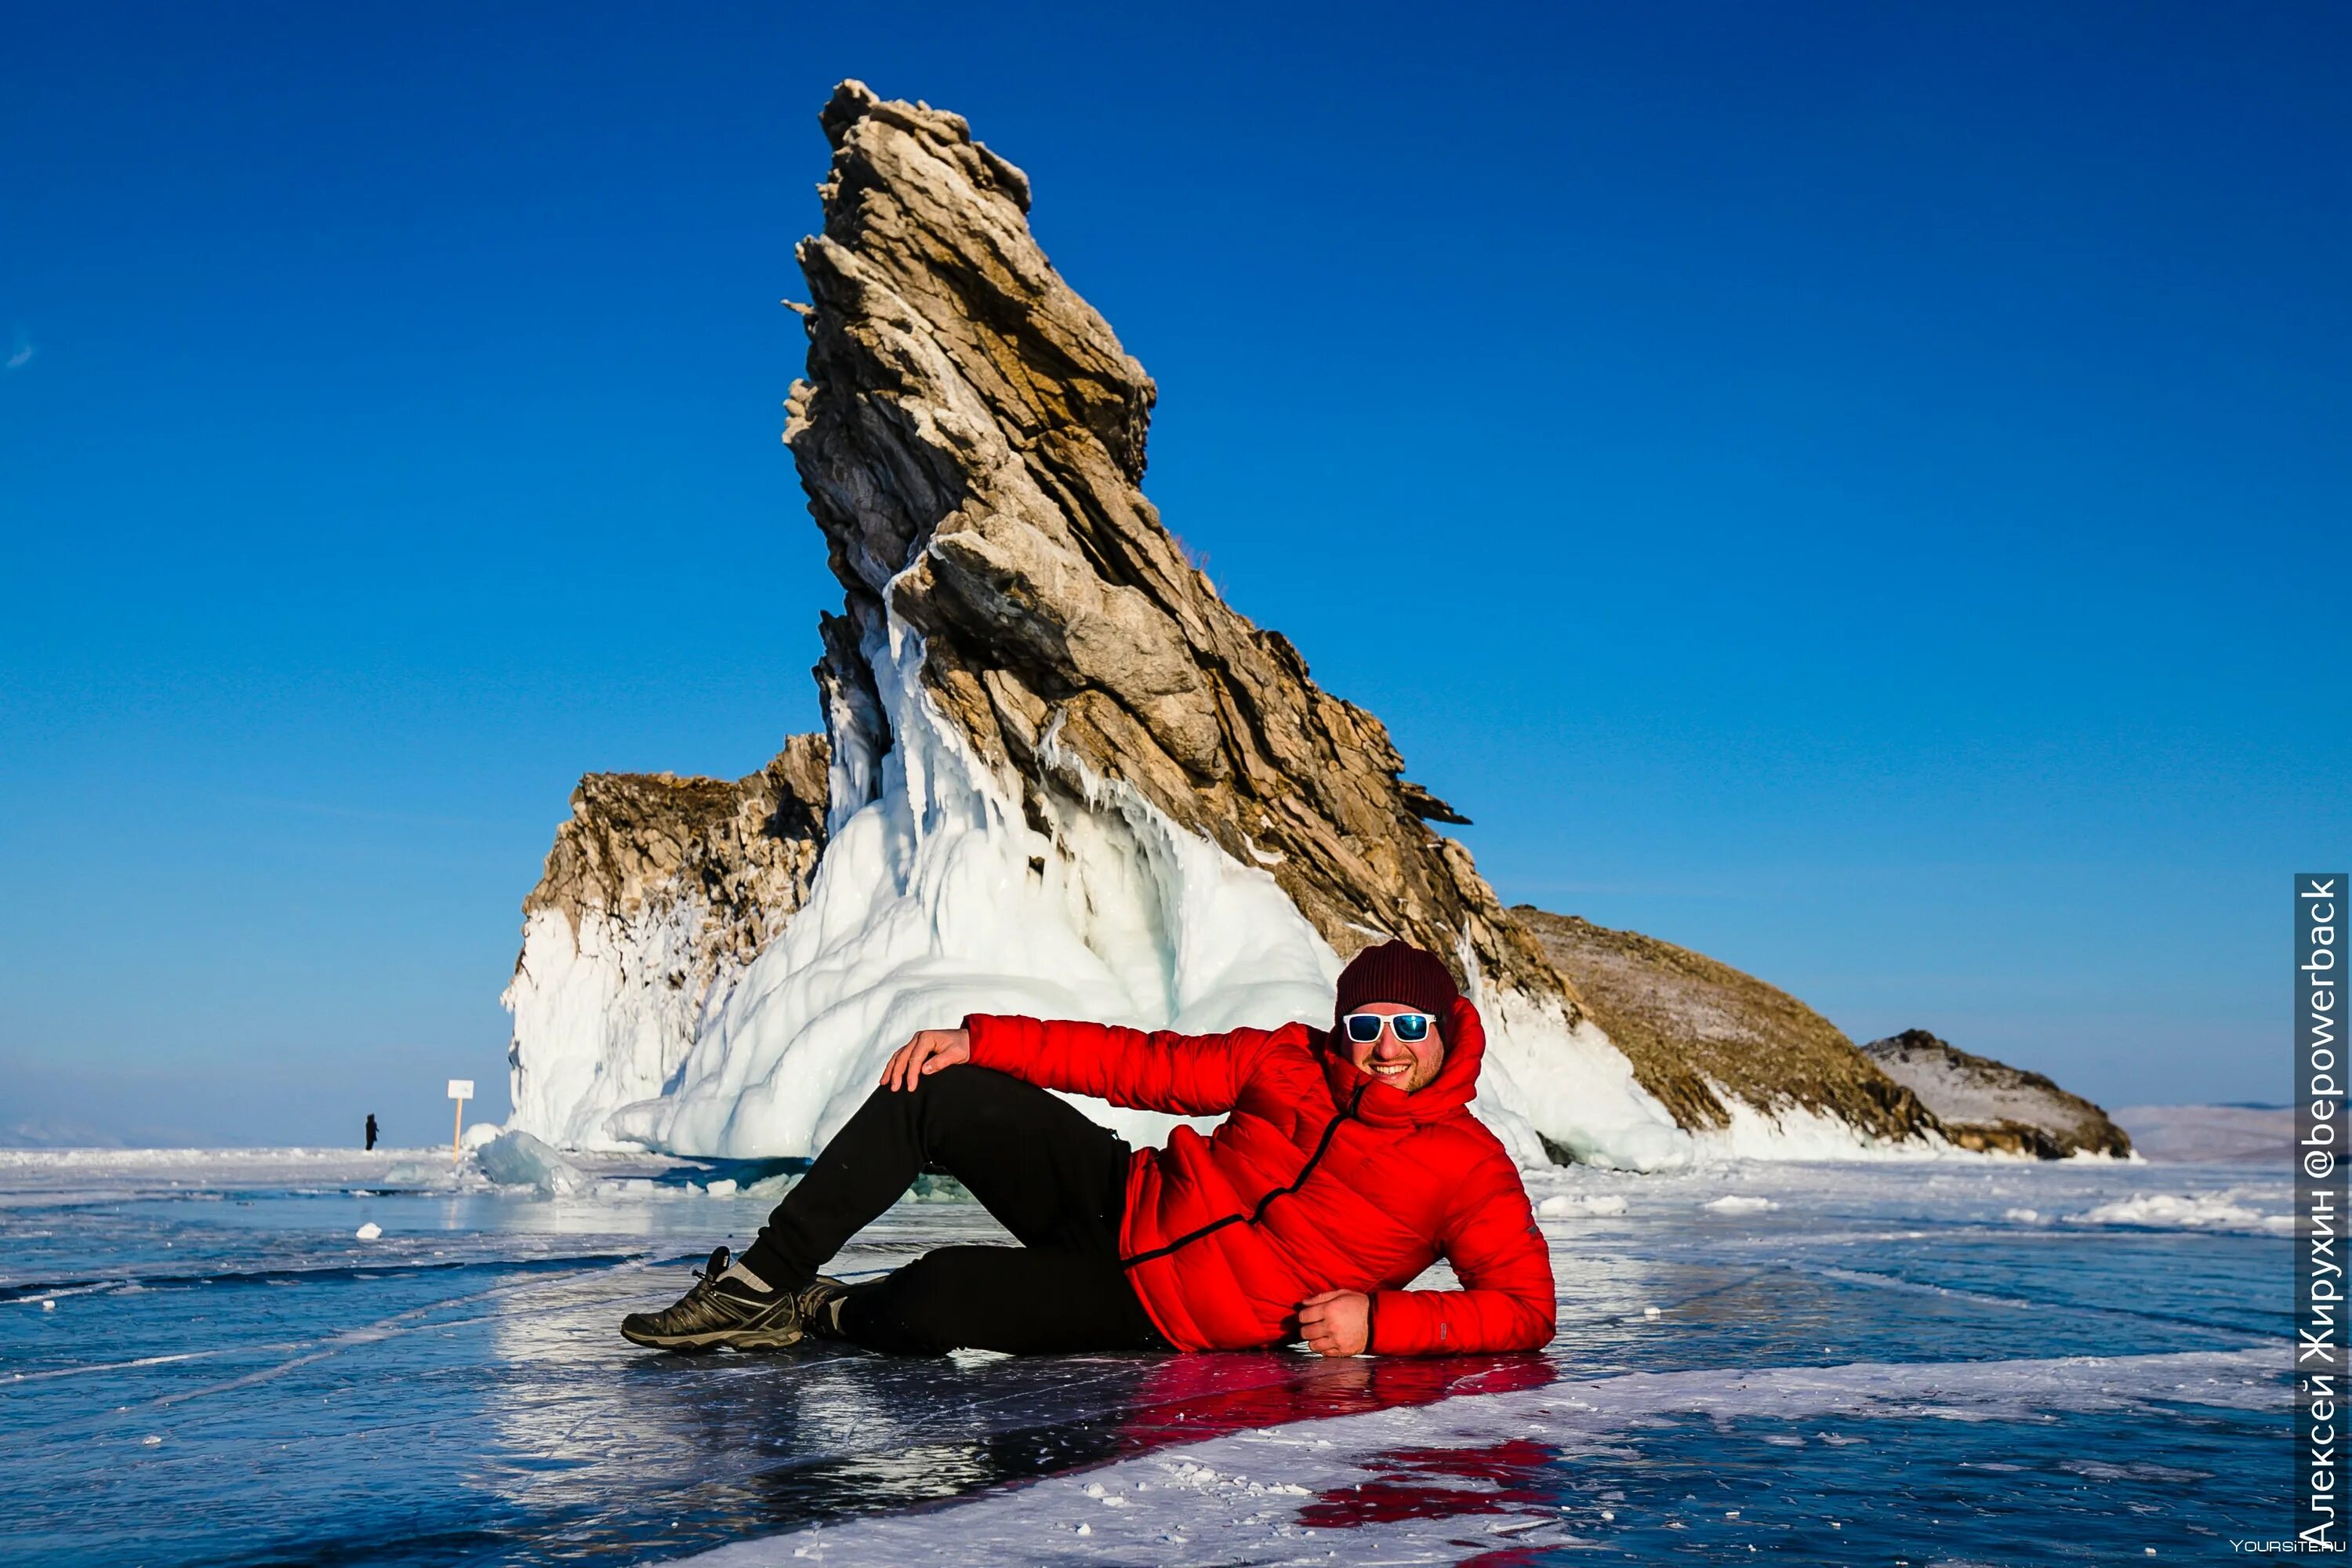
(1857, 490)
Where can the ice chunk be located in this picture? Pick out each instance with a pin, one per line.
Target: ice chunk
(480, 1132)
(437, 1174)
(724, 1187)
(369, 1231)
(1581, 1202)
(518, 1159)
(1739, 1203)
(2171, 1212)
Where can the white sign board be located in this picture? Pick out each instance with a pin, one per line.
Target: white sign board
(461, 1088)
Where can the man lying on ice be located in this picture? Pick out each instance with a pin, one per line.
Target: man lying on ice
(1347, 1163)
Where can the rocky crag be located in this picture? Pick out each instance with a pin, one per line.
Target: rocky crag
(970, 434)
(1706, 1038)
(658, 892)
(1991, 1106)
(1062, 774)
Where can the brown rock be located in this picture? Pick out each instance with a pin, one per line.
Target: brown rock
(742, 852)
(1696, 1030)
(1993, 1107)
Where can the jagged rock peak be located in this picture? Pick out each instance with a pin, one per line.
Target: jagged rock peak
(852, 100)
(970, 434)
(1991, 1106)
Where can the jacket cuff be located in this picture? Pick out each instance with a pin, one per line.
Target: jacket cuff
(1395, 1309)
(995, 1039)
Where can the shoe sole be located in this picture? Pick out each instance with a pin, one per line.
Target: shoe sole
(722, 1339)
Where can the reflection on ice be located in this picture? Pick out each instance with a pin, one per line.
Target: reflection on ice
(1520, 1466)
(454, 1390)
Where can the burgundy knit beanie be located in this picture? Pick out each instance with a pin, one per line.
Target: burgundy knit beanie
(1399, 972)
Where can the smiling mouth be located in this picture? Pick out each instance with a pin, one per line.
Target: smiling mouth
(1389, 1070)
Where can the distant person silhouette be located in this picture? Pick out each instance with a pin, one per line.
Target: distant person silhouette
(371, 1131)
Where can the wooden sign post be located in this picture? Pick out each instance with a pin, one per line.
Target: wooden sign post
(461, 1089)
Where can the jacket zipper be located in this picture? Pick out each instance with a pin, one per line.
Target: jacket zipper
(1330, 1131)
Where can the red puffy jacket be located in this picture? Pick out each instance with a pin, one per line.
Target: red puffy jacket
(1322, 1178)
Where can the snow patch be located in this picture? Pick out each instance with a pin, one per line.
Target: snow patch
(2167, 1211)
(1560, 1204)
(1739, 1203)
(1794, 1131)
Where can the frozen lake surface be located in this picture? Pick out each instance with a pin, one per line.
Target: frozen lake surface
(200, 1361)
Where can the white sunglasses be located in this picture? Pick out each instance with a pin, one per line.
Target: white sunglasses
(1409, 1027)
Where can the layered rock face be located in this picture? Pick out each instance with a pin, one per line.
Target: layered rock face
(971, 439)
(1064, 777)
(1028, 674)
(659, 892)
(1709, 1041)
(1989, 1106)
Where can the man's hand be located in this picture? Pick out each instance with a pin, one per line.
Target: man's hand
(926, 1054)
(1337, 1322)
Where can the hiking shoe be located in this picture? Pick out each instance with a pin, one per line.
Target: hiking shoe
(820, 1304)
(721, 1313)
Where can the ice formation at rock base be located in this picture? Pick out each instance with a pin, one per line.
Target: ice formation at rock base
(936, 898)
(657, 894)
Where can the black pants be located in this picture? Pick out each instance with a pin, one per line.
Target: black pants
(1054, 1179)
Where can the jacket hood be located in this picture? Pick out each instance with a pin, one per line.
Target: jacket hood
(1446, 1095)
